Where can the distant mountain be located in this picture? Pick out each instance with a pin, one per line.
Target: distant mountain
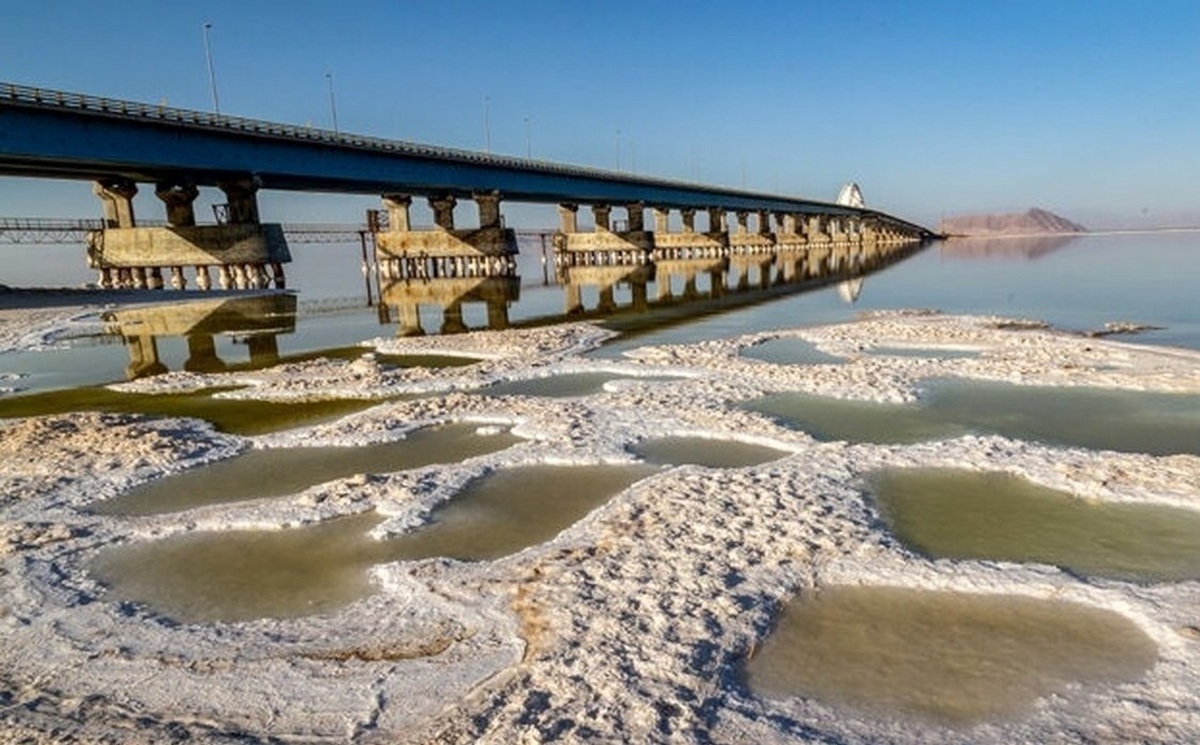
(1033, 222)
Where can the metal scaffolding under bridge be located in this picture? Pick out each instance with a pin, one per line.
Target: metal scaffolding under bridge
(49, 231)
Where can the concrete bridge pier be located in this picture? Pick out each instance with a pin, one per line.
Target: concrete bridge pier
(127, 255)
(603, 246)
(446, 250)
(202, 355)
(687, 243)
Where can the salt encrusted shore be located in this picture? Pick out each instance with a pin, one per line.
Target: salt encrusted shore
(632, 624)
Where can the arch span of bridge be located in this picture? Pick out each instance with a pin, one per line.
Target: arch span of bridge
(120, 144)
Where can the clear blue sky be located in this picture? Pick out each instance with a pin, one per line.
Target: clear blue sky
(1088, 108)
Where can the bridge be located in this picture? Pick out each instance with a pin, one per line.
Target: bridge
(119, 144)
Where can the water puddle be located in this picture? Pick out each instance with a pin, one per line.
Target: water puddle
(245, 575)
(292, 470)
(928, 353)
(388, 361)
(951, 658)
(1099, 419)
(704, 451)
(237, 416)
(567, 385)
(790, 351)
(971, 515)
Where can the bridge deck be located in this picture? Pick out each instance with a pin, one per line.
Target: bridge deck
(65, 135)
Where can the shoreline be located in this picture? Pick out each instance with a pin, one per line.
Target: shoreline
(623, 627)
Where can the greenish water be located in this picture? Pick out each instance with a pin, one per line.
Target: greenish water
(235, 575)
(237, 416)
(273, 472)
(704, 451)
(1101, 419)
(566, 385)
(789, 350)
(954, 659)
(971, 515)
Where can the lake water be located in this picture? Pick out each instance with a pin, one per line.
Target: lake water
(1077, 283)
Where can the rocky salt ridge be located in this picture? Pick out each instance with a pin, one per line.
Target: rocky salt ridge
(630, 625)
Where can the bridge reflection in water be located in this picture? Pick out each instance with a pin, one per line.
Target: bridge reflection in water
(451, 300)
(255, 321)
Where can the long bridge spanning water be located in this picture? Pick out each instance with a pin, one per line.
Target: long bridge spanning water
(118, 145)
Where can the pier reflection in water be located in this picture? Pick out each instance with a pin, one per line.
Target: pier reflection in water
(296, 468)
(240, 575)
(255, 321)
(1101, 419)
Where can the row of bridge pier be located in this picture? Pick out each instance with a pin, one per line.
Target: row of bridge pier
(245, 253)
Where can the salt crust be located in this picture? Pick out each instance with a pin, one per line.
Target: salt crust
(630, 625)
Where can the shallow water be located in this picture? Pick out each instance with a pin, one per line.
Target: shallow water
(929, 353)
(566, 385)
(237, 416)
(1101, 419)
(273, 472)
(955, 659)
(971, 515)
(237, 575)
(704, 451)
(790, 351)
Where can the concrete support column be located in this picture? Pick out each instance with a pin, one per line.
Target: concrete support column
(764, 222)
(743, 219)
(497, 315)
(688, 215)
(489, 208)
(568, 218)
(787, 222)
(264, 349)
(636, 213)
(662, 219)
(443, 211)
(117, 196)
(242, 196)
(603, 216)
(716, 220)
(179, 200)
(452, 318)
(397, 206)
(202, 354)
(410, 321)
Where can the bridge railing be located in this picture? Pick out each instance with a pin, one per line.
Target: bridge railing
(43, 97)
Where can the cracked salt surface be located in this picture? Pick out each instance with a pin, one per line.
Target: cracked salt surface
(633, 623)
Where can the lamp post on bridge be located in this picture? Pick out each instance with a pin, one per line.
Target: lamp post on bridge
(212, 75)
(487, 124)
(332, 102)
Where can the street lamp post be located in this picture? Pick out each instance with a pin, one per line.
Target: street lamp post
(212, 75)
(528, 145)
(487, 124)
(332, 102)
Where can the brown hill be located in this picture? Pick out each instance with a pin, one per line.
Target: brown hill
(1033, 222)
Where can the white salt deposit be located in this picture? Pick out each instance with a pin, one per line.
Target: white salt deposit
(630, 625)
